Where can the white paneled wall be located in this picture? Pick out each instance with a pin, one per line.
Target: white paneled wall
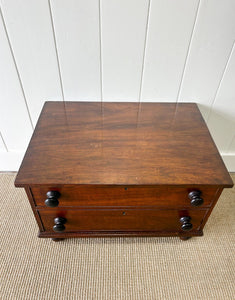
(115, 50)
(76, 27)
(169, 34)
(15, 123)
(30, 34)
(123, 31)
(210, 48)
(221, 119)
(2, 146)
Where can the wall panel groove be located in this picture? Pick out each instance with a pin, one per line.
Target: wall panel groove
(3, 146)
(76, 26)
(15, 124)
(231, 146)
(29, 27)
(16, 68)
(123, 35)
(211, 44)
(188, 50)
(221, 80)
(221, 121)
(56, 51)
(101, 60)
(169, 36)
(144, 52)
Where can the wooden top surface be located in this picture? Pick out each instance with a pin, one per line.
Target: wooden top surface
(122, 143)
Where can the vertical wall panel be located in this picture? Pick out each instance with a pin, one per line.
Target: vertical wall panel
(2, 146)
(229, 156)
(15, 124)
(122, 40)
(170, 29)
(30, 32)
(212, 42)
(77, 34)
(221, 121)
(231, 148)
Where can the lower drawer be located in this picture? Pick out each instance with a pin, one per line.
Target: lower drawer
(119, 219)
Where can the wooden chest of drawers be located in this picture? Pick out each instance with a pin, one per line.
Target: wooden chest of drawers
(121, 169)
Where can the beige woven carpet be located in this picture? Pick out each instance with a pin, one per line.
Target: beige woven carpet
(114, 268)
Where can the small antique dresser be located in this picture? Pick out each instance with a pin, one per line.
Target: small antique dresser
(121, 169)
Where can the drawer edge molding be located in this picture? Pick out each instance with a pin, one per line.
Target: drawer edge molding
(73, 234)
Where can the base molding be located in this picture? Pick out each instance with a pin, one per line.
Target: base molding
(80, 234)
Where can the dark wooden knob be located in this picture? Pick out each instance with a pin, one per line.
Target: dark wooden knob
(59, 224)
(52, 198)
(195, 198)
(186, 225)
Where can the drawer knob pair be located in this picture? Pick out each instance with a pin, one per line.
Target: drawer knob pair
(59, 224)
(52, 199)
(195, 198)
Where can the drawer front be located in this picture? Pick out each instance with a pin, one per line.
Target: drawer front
(162, 196)
(120, 219)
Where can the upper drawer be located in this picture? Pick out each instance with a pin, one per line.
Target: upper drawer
(162, 196)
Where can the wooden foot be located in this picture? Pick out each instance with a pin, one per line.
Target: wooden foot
(57, 239)
(185, 238)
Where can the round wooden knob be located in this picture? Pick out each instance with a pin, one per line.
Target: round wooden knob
(52, 199)
(59, 224)
(186, 225)
(195, 198)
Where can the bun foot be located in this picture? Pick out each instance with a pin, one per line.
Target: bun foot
(57, 239)
(185, 238)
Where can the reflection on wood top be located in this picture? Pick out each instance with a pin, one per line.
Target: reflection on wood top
(122, 143)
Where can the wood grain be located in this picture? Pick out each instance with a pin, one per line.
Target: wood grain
(122, 144)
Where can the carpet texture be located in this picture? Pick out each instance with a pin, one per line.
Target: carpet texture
(114, 268)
